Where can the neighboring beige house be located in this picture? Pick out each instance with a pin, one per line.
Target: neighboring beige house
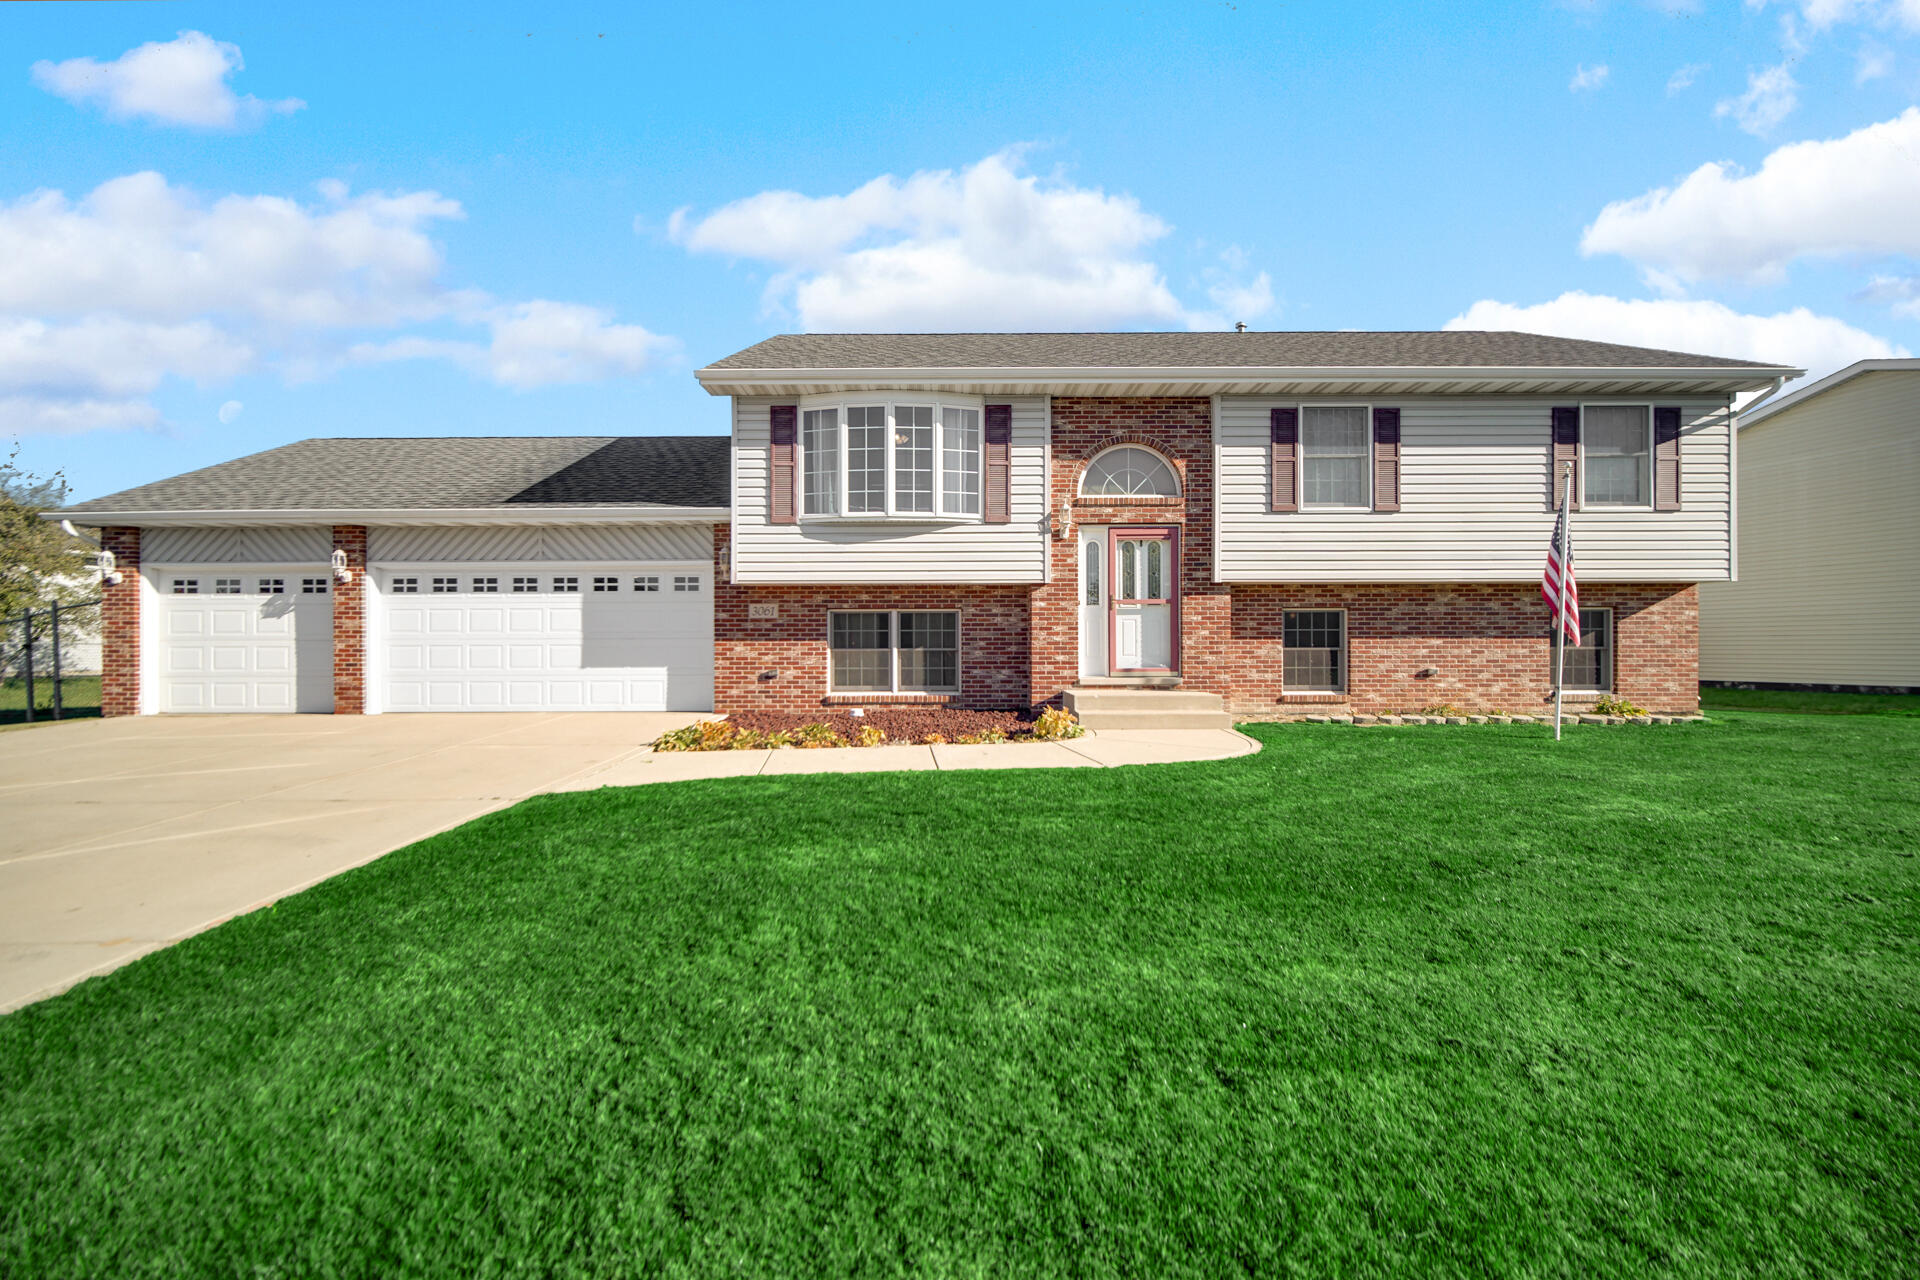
(1828, 539)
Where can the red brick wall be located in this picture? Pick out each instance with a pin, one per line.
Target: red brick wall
(1488, 644)
(120, 626)
(993, 640)
(1182, 429)
(350, 624)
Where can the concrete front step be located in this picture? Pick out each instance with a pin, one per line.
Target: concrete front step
(1110, 708)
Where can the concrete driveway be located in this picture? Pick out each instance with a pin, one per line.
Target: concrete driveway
(118, 837)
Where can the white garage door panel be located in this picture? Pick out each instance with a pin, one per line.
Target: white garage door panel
(223, 650)
(585, 650)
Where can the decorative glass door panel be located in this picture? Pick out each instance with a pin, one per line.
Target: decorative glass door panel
(1144, 605)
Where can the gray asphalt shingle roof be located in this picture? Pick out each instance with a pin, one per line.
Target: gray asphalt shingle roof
(428, 472)
(1283, 350)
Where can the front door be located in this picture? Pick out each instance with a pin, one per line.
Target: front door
(1144, 603)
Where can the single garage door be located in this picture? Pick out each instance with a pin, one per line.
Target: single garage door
(258, 639)
(519, 637)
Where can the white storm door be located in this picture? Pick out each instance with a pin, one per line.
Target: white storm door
(238, 640)
(1143, 600)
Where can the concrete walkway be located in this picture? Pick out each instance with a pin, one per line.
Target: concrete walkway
(1093, 751)
(122, 836)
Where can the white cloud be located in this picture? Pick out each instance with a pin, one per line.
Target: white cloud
(1901, 294)
(229, 411)
(140, 246)
(183, 81)
(1799, 337)
(1587, 78)
(1770, 98)
(30, 415)
(1826, 198)
(1872, 63)
(1823, 14)
(537, 344)
(105, 297)
(988, 247)
(1682, 79)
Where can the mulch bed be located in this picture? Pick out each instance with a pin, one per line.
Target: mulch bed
(900, 724)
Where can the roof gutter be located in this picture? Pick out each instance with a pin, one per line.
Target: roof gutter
(397, 516)
(719, 380)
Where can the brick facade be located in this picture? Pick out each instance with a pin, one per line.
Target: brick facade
(350, 623)
(780, 663)
(120, 626)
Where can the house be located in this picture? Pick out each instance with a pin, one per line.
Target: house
(1261, 524)
(1827, 595)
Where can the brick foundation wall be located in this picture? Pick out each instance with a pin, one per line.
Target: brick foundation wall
(350, 624)
(120, 626)
(1488, 643)
(993, 641)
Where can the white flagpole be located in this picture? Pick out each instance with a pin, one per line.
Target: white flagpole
(1560, 605)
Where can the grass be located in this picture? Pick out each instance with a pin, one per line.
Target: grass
(79, 696)
(1376, 1001)
(1809, 702)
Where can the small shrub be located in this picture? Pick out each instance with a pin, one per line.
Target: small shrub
(1056, 723)
(868, 735)
(759, 740)
(984, 736)
(707, 735)
(934, 737)
(817, 735)
(1441, 709)
(1608, 705)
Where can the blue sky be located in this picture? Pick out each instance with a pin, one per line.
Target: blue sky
(503, 219)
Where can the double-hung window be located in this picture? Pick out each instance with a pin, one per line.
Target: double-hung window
(1616, 441)
(1314, 644)
(885, 457)
(1333, 456)
(1590, 663)
(910, 651)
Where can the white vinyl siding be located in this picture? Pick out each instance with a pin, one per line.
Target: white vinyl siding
(266, 544)
(1829, 532)
(1473, 502)
(938, 551)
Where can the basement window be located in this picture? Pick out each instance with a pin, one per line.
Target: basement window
(1314, 642)
(887, 652)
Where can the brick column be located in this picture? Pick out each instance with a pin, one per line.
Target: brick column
(350, 624)
(120, 626)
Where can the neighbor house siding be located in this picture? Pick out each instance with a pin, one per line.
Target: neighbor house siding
(1829, 532)
(828, 551)
(1473, 501)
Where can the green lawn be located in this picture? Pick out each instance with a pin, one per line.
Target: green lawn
(79, 696)
(1387, 1001)
(1808, 702)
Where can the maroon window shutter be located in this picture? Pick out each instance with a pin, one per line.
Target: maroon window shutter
(1566, 448)
(1666, 459)
(1386, 459)
(997, 500)
(1285, 431)
(783, 465)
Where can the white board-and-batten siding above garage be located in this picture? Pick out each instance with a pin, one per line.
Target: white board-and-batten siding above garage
(1474, 504)
(467, 544)
(897, 551)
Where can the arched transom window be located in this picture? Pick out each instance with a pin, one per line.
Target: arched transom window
(1129, 472)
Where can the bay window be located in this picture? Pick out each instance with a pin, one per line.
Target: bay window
(888, 457)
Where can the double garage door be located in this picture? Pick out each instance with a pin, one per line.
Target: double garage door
(611, 636)
(632, 636)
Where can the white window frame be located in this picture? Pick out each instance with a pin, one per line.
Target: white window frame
(1366, 458)
(1341, 677)
(1612, 652)
(1588, 504)
(893, 654)
(890, 511)
(1120, 499)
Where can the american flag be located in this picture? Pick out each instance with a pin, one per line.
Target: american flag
(1562, 593)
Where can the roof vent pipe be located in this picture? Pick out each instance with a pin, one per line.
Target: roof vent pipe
(1240, 326)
